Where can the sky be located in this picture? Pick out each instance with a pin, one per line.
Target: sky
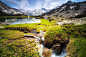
(36, 4)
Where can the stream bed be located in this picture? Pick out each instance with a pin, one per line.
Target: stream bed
(42, 46)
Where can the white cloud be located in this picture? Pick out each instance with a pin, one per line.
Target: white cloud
(24, 4)
(38, 5)
(50, 4)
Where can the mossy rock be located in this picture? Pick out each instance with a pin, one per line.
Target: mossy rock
(55, 35)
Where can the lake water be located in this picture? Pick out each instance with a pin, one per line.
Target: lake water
(19, 21)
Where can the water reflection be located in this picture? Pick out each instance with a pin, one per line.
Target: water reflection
(20, 21)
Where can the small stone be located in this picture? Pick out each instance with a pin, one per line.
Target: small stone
(0, 37)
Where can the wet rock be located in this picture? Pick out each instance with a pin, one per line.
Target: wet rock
(41, 34)
(0, 37)
(47, 52)
(57, 48)
(42, 38)
(34, 31)
(31, 36)
(59, 39)
(40, 41)
(49, 45)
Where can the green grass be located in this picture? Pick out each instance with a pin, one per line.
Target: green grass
(12, 45)
(20, 48)
(44, 25)
(77, 47)
(46, 22)
(10, 34)
(77, 30)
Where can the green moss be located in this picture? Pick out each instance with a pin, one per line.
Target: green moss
(53, 21)
(47, 52)
(10, 34)
(77, 30)
(12, 45)
(52, 33)
(44, 25)
(30, 34)
(46, 22)
(77, 47)
(22, 27)
(20, 48)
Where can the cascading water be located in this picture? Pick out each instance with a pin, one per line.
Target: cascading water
(42, 46)
(63, 53)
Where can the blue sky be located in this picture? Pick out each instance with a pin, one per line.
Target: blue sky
(35, 4)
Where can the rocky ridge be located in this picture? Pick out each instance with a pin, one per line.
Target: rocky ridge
(67, 10)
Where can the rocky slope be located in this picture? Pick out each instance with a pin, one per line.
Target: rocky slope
(69, 9)
(6, 9)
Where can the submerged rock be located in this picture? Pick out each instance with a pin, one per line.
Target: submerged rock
(57, 48)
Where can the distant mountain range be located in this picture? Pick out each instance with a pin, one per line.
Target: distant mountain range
(68, 10)
(34, 12)
(6, 9)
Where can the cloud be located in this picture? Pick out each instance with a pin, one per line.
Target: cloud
(35, 4)
(23, 4)
(38, 4)
(50, 4)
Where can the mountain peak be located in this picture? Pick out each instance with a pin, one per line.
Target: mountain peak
(43, 9)
(69, 2)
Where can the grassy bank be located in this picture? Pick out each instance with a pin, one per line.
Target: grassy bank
(44, 25)
(13, 45)
(77, 47)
